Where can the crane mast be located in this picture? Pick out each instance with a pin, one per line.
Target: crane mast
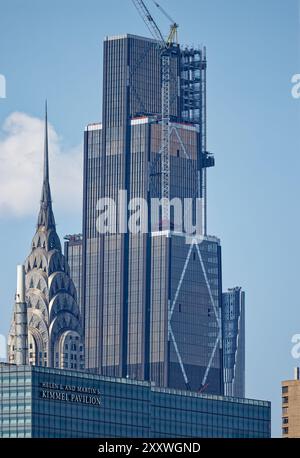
(165, 136)
(192, 110)
(166, 52)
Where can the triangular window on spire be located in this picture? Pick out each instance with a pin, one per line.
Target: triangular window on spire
(46, 217)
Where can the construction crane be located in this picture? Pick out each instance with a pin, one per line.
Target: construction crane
(194, 89)
(168, 47)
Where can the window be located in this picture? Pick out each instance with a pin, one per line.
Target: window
(285, 389)
(285, 420)
(285, 430)
(285, 399)
(284, 411)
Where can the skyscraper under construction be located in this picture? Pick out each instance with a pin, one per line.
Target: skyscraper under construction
(151, 300)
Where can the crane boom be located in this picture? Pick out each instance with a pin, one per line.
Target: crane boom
(163, 11)
(149, 21)
(173, 27)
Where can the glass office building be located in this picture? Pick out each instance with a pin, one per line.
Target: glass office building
(128, 319)
(152, 301)
(44, 402)
(233, 323)
(185, 338)
(73, 255)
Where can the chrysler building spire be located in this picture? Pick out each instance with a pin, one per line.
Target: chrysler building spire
(54, 323)
(46, 217)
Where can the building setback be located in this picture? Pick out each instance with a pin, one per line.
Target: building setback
(58, 403)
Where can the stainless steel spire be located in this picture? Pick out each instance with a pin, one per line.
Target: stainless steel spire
(46, 216)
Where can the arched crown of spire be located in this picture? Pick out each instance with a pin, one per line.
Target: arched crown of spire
(46, 217)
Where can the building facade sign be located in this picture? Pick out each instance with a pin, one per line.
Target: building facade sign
(70, 393)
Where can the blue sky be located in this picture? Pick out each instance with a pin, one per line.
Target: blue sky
(54, 50)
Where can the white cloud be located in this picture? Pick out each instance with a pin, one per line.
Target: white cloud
(21, 165)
